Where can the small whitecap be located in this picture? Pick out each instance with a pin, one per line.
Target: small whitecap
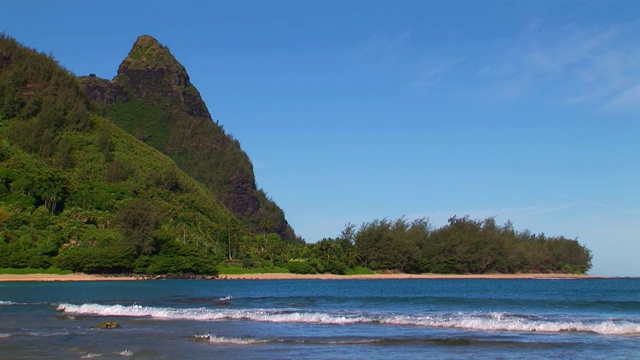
(90, 356)
(224, 340)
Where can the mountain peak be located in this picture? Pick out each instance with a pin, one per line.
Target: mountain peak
(144, 40)
(151, 72)
(148, 53)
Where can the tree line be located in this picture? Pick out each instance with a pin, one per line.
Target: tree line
(466, 246)
(462, 246)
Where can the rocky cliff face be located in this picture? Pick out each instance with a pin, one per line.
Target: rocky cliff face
(152, 97)
(102, 90)
(151, 72)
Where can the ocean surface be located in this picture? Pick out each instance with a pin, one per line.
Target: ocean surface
(322, 319)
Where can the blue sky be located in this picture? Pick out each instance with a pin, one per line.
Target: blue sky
(359, 110)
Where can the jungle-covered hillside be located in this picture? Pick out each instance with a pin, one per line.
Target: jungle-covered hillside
(153, 99)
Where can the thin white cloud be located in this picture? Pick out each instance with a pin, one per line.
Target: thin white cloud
(570, 64)
(397, 56)
(605, 206)
(597, 65)
(626, 98)
(433, 71)
(382, 49)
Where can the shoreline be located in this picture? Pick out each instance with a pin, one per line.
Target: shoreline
(69, 277)
(289, 276)
(285, 276)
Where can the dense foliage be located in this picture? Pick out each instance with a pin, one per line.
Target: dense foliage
(157, 104)
(466, 246)
(81, 194)
(463, 246)
(78, 193)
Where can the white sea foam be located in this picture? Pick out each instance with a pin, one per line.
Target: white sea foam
(7, 303)
(46, 333)
(226, 298)
(470, 321)
(90, 356)
(125, 353)
(2, 335)
(229, 340)
(522, 324)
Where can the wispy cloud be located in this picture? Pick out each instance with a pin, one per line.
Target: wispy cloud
(596, 64)
(382, 49)
(430, 72)
(569, 64)
(626, 98)
(398, 57)
(618, 209)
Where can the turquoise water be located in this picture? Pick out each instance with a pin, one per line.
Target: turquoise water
(322, 319)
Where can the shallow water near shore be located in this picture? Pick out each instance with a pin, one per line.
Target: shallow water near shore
(311, 319)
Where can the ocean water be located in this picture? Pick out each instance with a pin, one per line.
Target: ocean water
(322, 319)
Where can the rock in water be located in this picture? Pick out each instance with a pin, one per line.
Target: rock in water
(108, 325)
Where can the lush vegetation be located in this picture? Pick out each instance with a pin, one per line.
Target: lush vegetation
(159, 106)
(78, 193)
(24, 271)
(463, 246)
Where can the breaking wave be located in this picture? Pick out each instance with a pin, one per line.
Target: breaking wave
(90, 356)
(229, 340)
(467, 321)
(224, 340)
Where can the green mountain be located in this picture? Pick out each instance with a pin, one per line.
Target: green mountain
(153, 99)
(79, 193)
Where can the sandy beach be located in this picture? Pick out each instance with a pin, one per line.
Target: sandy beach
(397, 276)
(281, 276)
(70, 277)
